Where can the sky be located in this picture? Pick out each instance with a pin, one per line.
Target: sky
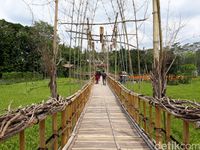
(181, 13)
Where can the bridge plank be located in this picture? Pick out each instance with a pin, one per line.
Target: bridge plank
(104, 125)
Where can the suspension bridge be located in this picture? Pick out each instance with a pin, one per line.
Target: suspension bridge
(106, 117)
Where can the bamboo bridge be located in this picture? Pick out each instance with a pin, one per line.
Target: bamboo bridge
(105, 125)
(98, 117)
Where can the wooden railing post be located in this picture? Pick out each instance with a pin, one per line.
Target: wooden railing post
(133, 107)
(145, 116)
(168, 131)
(22, 140)
(139, 112)
(63, 124)
(150, 122)
(42, 144)
(158, 127)
(186, 134)
(137, 109)
(55, 131)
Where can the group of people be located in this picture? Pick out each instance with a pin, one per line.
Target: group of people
(98, 74)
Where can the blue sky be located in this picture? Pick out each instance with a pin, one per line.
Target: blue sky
(185, 11)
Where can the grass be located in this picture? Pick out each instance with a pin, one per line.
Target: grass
(26, 93)
(181, 91)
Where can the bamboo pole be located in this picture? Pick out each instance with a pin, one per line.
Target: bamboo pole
(158, 127)
(55, 131)
(168, 131)
(53, 85)
(150, 122)
(63, 124)
(155, 33)
(145, 115)
(186, 134)
(105, 23)
(22, 140)
(42, 144)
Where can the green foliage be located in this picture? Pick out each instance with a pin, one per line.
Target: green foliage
(187, 69)
(16, 48)
(20, 75)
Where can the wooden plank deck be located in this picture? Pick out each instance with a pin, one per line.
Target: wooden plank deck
(104, 126)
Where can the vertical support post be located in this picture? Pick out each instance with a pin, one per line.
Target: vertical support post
(168, 131)
(63, 124)
(22, 140)
(150, 122)
(155, 33)
(68, 121)
(145, 116)
(140, 110)
(107, 60)
(186, 134)
(158, 127)
(42, 144)
(55, 131)
(136, 109)
(89, 47)
(133, 110)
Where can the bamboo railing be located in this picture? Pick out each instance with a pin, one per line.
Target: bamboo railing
(70, 114)
(148, 117)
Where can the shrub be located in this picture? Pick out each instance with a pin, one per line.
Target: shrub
(173, 82)
(185, 80)
(187, 69)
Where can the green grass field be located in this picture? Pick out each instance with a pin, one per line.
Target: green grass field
(26, 93)
(181, 91)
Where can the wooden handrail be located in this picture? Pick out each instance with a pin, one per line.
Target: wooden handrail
(150, 121)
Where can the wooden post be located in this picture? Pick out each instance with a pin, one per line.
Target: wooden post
(168, 131)
(186, 134)
(145, 116)
(137, 109)
(68, 122)
(63, 124)
(89, 47)
(133, 107)
(155, 33)
(129, 103)
(101, 34)
(42, 144)
(140, 110)
(150, 122)
(158, 127)
(55, 131)
(22, 140)
(53, 85)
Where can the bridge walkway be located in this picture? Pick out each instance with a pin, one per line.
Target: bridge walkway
(104, 125)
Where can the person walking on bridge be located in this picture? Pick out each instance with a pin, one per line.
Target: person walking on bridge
(104, 77)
